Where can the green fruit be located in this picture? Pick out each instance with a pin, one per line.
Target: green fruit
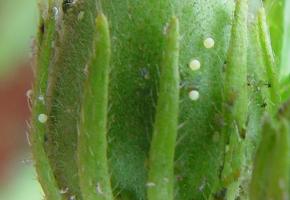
(155, 100)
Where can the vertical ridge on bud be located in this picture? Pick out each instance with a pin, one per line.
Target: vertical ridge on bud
(92, 142)
(269, 62)
(73, 47)
(38, 129)
(165, 128)
(235, 91)
(276, 18)
(236, 100)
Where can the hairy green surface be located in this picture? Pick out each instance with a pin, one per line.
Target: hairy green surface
(92, 139)
(236, 101)
(236, 91)
(269, 62)
(161, 161)
(73, 46)
(139, 128)
(137, 36)
(38, 129)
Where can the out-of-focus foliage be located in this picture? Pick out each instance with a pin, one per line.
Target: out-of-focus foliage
(18, 22)
(23, 185)
(285, 64)
(278, 15)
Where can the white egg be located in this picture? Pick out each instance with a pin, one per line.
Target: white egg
(73, 197)
(29, 94)
(194, 65)
(209, 43)
(41, 98)
(81, 15)
(194, 95)
(99, 189)
(150, 184)
(42, 118)
(55, 11)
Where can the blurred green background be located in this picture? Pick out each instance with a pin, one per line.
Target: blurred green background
(18, 25)
(18, 20)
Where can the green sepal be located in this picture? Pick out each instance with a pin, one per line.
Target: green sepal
(92, 138)
(161, 160)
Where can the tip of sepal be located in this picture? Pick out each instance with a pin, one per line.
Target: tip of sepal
(102, 39)
(172, 29)
(101, 20)
(261, 15)
(174, 21)
(269, 60)
(262, 12)
(242, 6)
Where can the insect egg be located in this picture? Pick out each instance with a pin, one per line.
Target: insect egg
(29, 94)
(42, 118)
(41, 98)
(194, 95)
(150, 184)
(209, 43)
(55, 11)
(194, 64)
